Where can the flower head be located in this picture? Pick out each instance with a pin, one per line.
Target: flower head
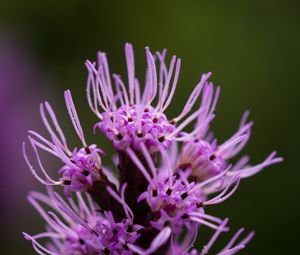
(81, 167)
(80, 228)
(129, 116)
(202, 154)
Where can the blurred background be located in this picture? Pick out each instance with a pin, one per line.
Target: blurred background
(252, 48)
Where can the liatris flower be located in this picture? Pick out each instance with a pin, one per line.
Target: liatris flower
(205, 158)
(81, 166)
(156, 198)
(128, 117)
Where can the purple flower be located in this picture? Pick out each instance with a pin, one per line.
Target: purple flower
(155, 197)
(176, 202)
(128, 117)
(81, 166)
(202, 154)
(81, 228)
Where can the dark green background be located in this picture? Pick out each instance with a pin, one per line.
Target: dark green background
(252, 48)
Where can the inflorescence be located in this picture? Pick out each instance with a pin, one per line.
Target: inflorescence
(156, 197)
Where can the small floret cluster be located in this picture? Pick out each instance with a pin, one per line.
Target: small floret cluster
(156, 195)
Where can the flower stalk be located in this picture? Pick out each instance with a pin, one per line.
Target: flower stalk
(156, 196)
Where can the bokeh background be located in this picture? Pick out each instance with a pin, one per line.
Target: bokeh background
(252, 48)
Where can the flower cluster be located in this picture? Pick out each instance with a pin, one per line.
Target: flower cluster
(155, 197)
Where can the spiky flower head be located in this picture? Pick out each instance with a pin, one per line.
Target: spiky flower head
(155, 197)
(129, 117)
